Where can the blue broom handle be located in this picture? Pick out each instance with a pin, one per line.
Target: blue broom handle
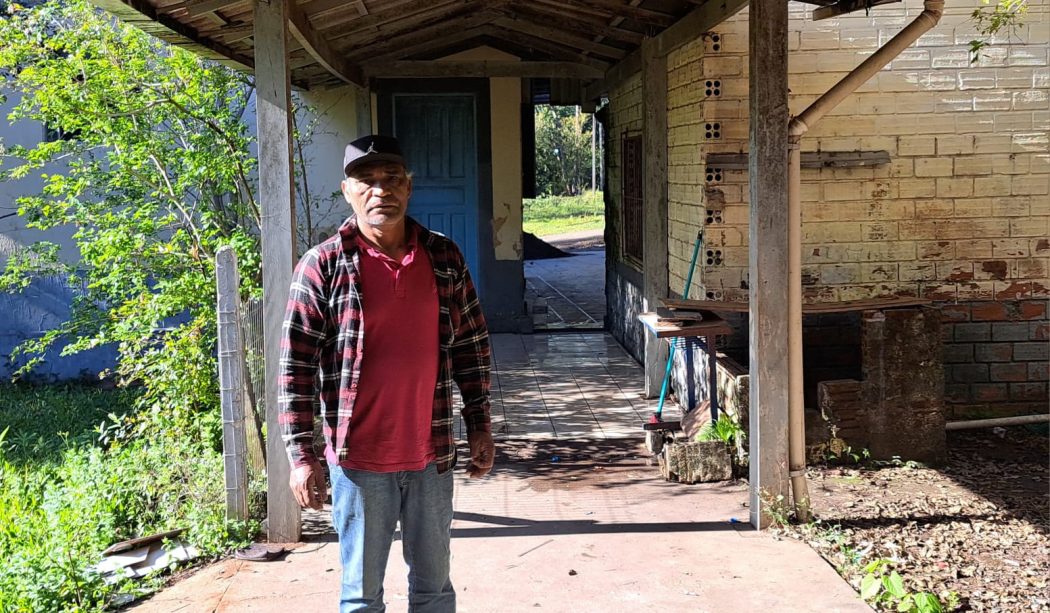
(685, 296)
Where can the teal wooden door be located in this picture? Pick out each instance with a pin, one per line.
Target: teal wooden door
(438, 137)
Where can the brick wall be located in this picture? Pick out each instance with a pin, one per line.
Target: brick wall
(997, 352)
(623, 279)
(960, 213)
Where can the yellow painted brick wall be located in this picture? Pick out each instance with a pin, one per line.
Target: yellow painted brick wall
(961, 212)
(625, 119)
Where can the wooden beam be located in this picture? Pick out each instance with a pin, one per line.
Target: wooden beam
(619, 73)
(696, 23)
(689, 28)
(768, 256)
(318, 47)
(554, 34)
(488, 68)
(654, 241)
(277, 201)
(145, 17)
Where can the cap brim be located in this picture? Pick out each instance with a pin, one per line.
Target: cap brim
(372, 158)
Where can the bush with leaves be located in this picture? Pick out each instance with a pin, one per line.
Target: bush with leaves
(155, 175)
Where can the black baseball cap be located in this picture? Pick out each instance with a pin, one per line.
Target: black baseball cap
(369, 149)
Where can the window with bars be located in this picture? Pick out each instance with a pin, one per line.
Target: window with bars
(633, 216)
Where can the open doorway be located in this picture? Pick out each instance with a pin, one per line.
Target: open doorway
(564, 222)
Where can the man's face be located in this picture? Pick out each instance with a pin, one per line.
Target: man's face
(378, 193)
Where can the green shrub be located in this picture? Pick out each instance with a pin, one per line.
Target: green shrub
(59, 514)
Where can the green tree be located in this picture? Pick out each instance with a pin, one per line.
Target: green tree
(155, 174)
(563, 150)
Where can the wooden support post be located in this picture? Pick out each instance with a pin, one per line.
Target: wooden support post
(277, 199)
(231, 384)
(768, 255)
(654, 242)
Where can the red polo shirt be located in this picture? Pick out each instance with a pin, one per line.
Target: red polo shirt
(390, 429)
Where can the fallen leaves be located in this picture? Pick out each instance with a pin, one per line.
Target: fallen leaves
(977, 526)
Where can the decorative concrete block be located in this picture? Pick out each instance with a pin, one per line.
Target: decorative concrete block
(696, 462)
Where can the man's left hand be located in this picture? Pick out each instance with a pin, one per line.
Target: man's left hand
(482, 454)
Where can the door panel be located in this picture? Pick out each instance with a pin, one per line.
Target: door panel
(438, 136)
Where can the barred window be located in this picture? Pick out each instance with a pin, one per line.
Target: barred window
(633, 216)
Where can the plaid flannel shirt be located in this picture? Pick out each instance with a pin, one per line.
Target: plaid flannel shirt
(323, 342)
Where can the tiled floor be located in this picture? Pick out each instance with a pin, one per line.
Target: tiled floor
(573, 385)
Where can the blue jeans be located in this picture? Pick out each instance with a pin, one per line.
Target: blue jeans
(366, 507)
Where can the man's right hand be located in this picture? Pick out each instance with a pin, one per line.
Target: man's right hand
(308, 486)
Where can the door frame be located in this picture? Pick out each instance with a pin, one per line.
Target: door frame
(386, 89)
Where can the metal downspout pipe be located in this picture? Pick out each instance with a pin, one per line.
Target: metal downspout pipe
(798, 126)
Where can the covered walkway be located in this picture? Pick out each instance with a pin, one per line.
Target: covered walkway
(573, 517)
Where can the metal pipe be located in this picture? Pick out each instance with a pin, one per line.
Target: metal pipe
(1019, 420)
(796, 402)
(931, 14)
(797, 127)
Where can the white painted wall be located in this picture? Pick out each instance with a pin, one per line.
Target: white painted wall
(344, 115)
(13, 232)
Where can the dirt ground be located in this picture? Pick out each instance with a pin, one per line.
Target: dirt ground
(979, 526)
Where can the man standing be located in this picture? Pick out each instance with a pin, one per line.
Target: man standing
(384, 317)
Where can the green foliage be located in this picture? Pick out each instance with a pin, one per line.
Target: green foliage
(563, 150)
(884, 588)
(63, 499)
(154, 174)
(725, 429)
(991, 19)
(847, 455)
(557, 214)
(155, 177)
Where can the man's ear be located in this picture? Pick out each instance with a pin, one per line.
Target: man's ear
(346, 190)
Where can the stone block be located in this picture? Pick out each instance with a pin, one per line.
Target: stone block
(696, 462)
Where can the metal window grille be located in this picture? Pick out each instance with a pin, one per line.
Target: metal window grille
(633, 211)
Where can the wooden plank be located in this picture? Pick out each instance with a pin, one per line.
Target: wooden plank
(768, 255)
(553, 49)
(617, 8)
(554, 34)
(277, 200)
(619, 73)
(395, 44)
(427, 46)
(654, 250)
(844, 306)
(696, 23)
(210, 6)
(810, 159)
(663, 328)
(542, 14)
(488, 68)
(144, 16)
(390, 23)
(319, 49)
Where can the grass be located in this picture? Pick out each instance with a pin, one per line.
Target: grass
(64, 497)
(559, 214)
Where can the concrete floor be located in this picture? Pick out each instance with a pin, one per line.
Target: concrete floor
(572, 519)
(567, 293)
